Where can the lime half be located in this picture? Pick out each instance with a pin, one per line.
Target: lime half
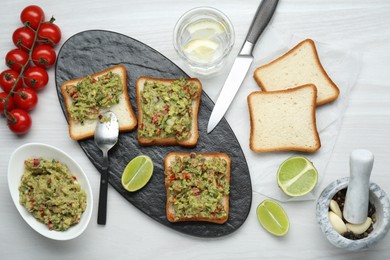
(273, 218)
(297, 176)
(137, 173)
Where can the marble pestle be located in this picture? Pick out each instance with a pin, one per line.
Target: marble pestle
(357, 197)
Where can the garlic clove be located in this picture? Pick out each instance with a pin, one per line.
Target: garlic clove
(334, 206)
(359, 228)
(337, 223)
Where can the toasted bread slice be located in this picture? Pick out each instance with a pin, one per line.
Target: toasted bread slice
(195, 192)
(123, 110)
(284, 120)
(300, 66)
(160, 137)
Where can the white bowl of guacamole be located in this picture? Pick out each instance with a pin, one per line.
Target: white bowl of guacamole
(34, 160)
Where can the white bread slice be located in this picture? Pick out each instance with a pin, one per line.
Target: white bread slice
(300, 66)
(284, 120)
(123, 110)
(169, 159)
(147, 141)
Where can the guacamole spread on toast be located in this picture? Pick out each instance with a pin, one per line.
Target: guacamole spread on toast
(167, 109)
(197, 186)
(90, 96)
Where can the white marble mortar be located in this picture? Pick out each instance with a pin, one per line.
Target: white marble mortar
(380, 228)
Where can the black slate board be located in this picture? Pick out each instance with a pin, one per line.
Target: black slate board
(89, 52)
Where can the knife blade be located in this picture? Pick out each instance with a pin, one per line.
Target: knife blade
(242, 62)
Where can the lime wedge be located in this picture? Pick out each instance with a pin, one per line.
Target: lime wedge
(201, 50)
(273, 218)
(205, 29)
(137, 173)
(297, 176)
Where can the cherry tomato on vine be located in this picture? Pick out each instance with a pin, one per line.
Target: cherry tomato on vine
(19, 121)
(23, 38)
(16, 59)
(36, 78)
(26, 99)
(32, 15)
(10, 102)
(7, 80)
(44, 56)
(50, 33)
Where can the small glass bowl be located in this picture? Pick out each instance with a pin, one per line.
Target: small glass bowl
(223, 38)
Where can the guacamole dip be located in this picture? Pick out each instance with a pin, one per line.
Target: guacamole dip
(89, 96)
(197, 186)
(50, 192)
(167, 109)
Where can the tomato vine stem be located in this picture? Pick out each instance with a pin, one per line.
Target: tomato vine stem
(21, 73)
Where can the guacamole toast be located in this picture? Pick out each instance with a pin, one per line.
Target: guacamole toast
(86, 99)
(168, 111)
(197, 187)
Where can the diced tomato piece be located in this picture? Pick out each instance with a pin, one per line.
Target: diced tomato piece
(155, 119)
(36, 162)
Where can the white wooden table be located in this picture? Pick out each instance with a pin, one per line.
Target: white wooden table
(362, 26)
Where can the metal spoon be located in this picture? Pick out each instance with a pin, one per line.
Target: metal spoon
(106, 136)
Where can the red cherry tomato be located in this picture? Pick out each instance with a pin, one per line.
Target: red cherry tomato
(10, 102)
(26, 99)
(36, 78)
(19, 121)
(44, 56)
(16, 59)
(23, 38)
(50, 33)
(7, 80)
(32, 15)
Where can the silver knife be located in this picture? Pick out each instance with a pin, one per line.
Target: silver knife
(241, 63)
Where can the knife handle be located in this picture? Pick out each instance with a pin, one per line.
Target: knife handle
(262, 17)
